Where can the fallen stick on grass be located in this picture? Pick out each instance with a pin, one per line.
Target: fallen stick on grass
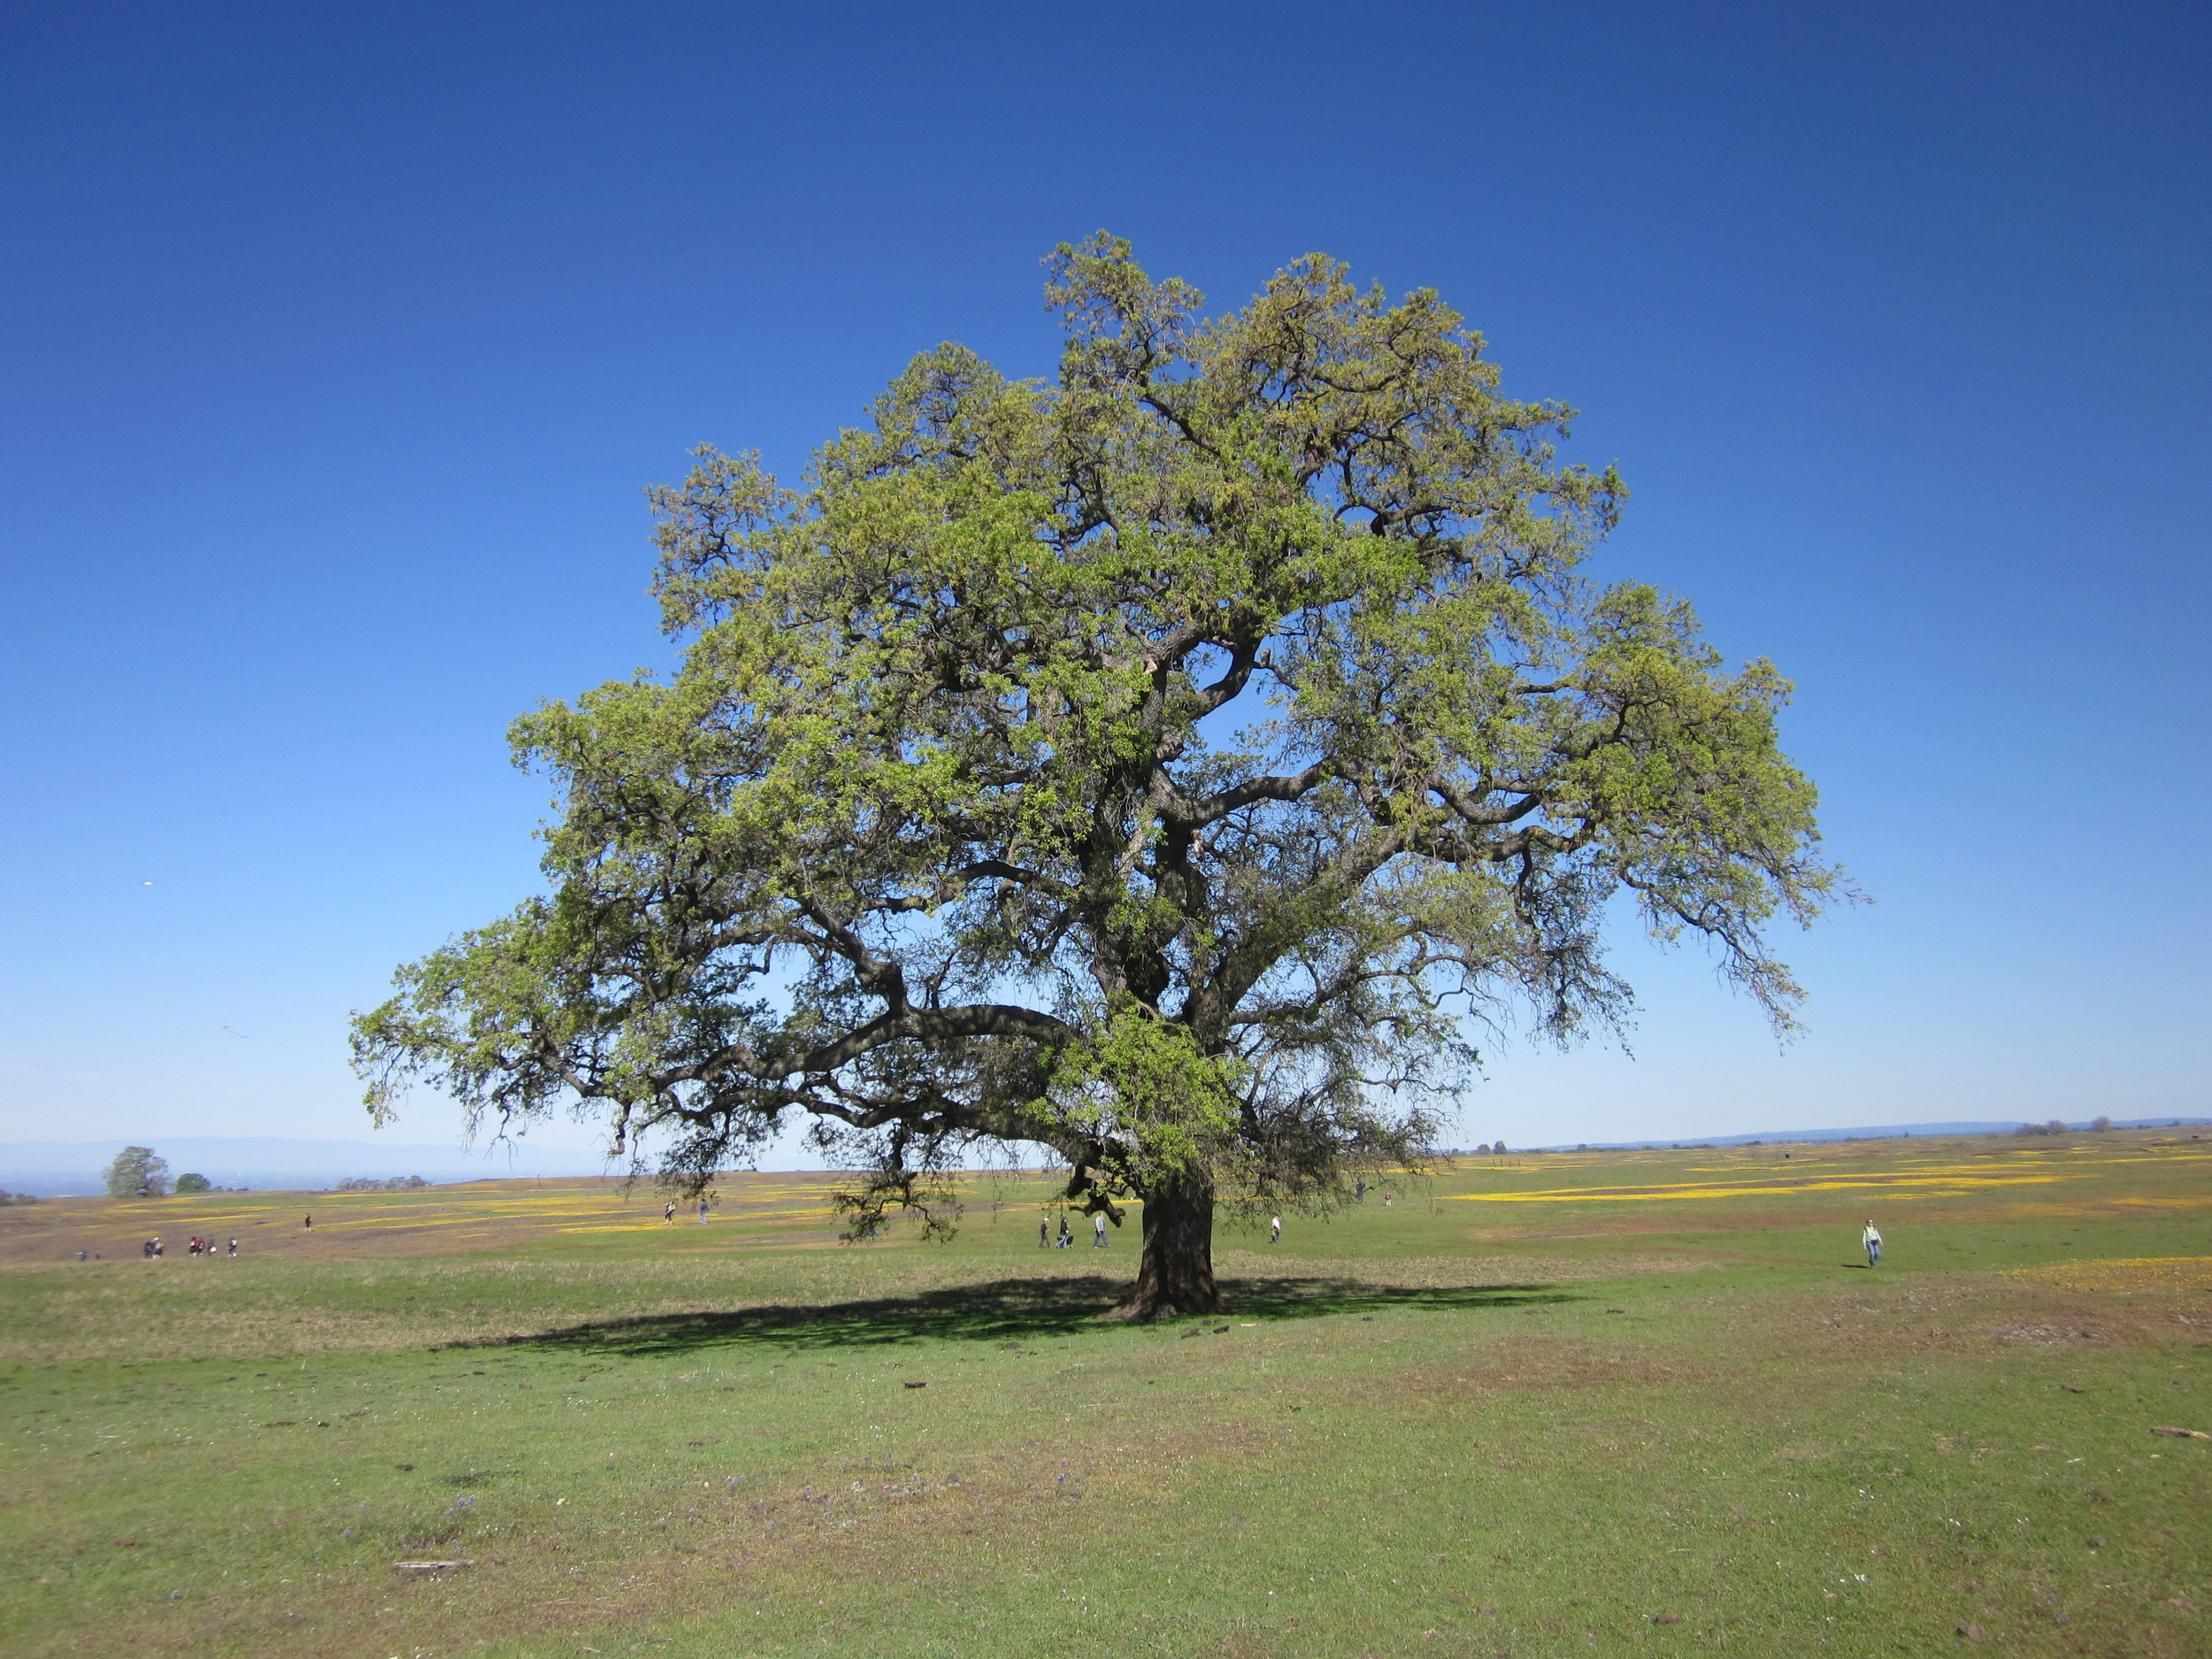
(2185, 1435)
(428, 1566)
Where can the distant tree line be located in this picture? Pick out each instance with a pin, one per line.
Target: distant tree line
(6, 1197)
(138, 1172)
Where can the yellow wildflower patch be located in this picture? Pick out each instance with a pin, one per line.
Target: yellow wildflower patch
(1879, 1183)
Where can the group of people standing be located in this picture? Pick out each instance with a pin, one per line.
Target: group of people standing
(1066, 1240)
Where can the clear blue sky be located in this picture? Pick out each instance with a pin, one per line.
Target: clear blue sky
(336, 342)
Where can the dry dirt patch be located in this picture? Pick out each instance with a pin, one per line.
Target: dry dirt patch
(2126, 1276)
(1966, 1313)
(1538, 1363)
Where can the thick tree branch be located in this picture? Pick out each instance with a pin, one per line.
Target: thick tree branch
(1212, 809)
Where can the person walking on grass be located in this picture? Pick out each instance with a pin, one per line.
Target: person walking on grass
(702, 1209)
(1044, 1233)
(234, 1247)
(1872, 1239)
(1098, 1230)
(1067, 1239)
(668, 1214)
(1275, 1230)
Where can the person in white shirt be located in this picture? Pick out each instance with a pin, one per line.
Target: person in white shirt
(1098, 1230)
(1275, 1230)
(1872, 1239)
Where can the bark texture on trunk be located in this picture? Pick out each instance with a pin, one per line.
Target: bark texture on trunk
(1176, 1275)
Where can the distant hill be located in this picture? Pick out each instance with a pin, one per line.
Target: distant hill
(54, 1169)
(1883, 1132)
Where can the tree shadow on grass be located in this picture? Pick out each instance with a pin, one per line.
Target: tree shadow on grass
(1006, 1309)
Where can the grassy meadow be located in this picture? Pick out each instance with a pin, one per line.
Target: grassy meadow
(1569, 1404)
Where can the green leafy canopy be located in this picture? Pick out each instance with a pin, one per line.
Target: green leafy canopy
(135, 1172)
(1169, 765)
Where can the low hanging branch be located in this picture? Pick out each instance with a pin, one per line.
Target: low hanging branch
(1159, 765)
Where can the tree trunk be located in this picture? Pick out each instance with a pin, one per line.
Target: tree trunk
(1176, 1275)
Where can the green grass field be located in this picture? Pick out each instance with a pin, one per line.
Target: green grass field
(1648, 1403)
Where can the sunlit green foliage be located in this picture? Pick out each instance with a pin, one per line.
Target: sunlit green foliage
(135, 1172)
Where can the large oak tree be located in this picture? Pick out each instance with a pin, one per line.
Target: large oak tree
(1165, 765)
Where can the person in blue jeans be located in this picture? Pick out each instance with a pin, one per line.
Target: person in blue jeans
(1872, 1239)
